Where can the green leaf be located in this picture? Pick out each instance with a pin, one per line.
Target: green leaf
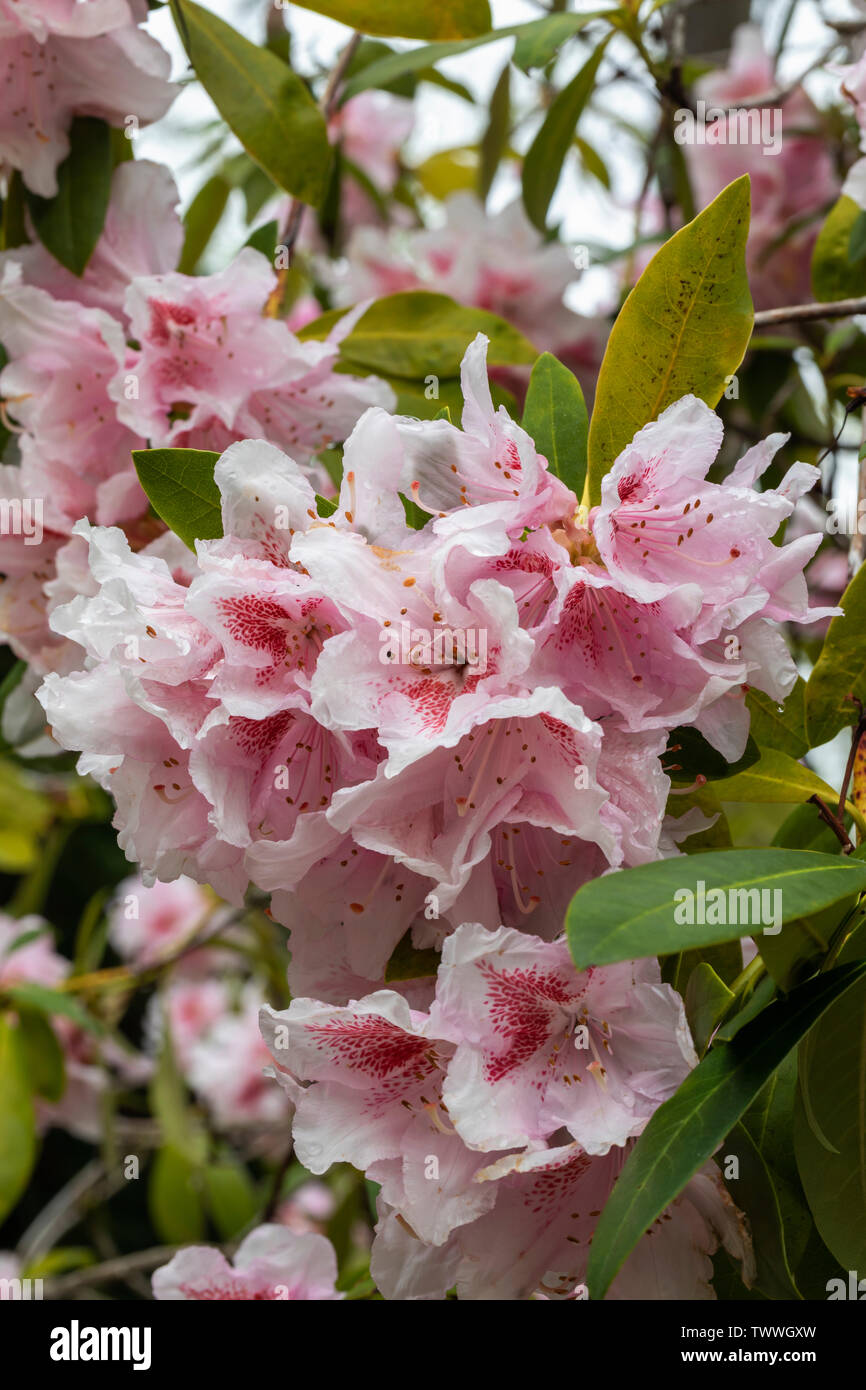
(17, 1119)
(201, 220)
(174, 1199)
(70, 224)
(804, 829)
(857, 239)
(181, 1128)
(265, 104)
(780, 726)
(264, 239)
(418, 334)
(798, 951)
(409, 963)
(683, 329)
(630, 914)
(542, 39)
(180, 486)
(707, 1001)
(230, 1196)
(755, 1193)
(385, 71)
(555, 416)
(687, 1129)
(544, 159)
(689, 756)
(833, 274)
(840, 669)
(494, 142)
(775, 777)
(43, 1055)
(592, 161)
(833, 1082)
(54, 1002)
(423, 19)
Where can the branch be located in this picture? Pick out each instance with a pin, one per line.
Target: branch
(109, 1271)
(295, 215)
(834, 309)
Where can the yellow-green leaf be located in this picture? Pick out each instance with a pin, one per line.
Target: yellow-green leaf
(683, 330)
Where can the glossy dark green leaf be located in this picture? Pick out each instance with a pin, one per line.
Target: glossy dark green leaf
(70, 224)
(687, 1129)
(556, 418)
(840, 669)
(180, 487)
(631, 914)
(542, 166)
(264, 103)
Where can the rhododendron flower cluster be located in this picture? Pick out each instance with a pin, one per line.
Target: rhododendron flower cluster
(207, 369)
(268, 723)
(422, 575)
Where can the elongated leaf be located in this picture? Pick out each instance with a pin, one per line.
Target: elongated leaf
(840, 669)
(181, 489)
(394, 66)
(43, 1055)
(543, 163)
(54, 1002)
(418, 335)
(683, 329)
(201, 219)
(755, 1193)
(833, 1087)
(17, 1120)
(543, 38)
(707, 1001)
(174, 1198)
(687, 1129)
(774, 778)
(231, 1197)
(495, 139)
(423, 19)
(834, 274)
(265, 104)
(555, 416)
(634, 913)
(780, 726)
(70, 224)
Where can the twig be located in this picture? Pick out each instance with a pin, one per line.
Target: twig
(109, 1271)
(295, 215)
(859, 731)
(835, 824)
(833, 309)
(61, 1213)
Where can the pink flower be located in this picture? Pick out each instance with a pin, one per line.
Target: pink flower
(35, 959)
(791, 185)
(142, 235)
(541, 1046)
(666, 534)
(226, 1068)
(370, 130)
(535, 1240)
(62, 59)
(375, 1100)
(500, 263)
(146, 923)
(270, 1263)
(211, 368)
